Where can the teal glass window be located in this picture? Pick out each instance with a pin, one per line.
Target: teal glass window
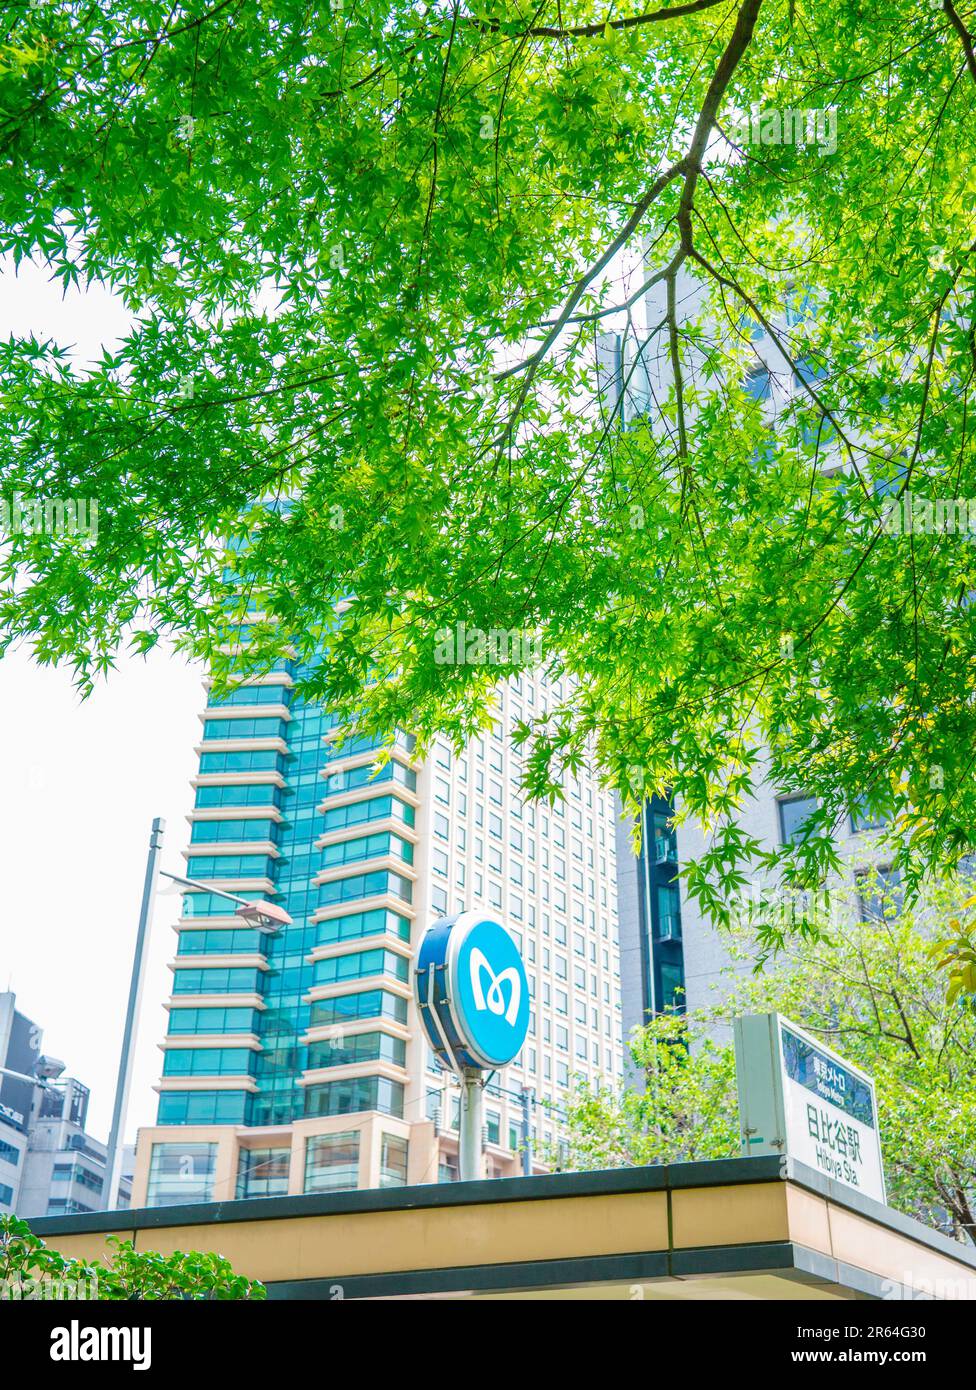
(370, 885)
(355, 924)
(212, 904)
(359, 964)
(252, 695)
(362, 812)
(260, 794)
(202, 1108)
(219, 942)
(243, 728)
(254, 760)
(208, 832)
(361, 1047)
(354, 778)
(229, 866)
(212, 1021)
(217, 981)
(370, 743)
(367, 847)
(369, 1003)
(208, 1061)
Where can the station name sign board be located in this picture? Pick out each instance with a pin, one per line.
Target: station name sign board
(800, 1098)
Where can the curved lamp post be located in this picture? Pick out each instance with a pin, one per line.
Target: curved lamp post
(264, 916)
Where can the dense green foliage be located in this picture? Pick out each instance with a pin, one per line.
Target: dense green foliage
(30, 1269)
(868, 990)
(366, 251)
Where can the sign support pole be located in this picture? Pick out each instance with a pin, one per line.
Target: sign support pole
(473, 995)
(469, 1157)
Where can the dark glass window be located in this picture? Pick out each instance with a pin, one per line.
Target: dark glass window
(879, 895)
(863, 819)
(332, 1162)
(263, 1172)
(393, 1161)
(794, 812)
(355, 1094)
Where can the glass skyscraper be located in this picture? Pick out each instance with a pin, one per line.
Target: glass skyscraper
(294, 1061)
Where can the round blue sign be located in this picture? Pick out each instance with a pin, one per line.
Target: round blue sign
(473, 992)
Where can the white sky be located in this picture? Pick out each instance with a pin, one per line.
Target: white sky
(82, 782)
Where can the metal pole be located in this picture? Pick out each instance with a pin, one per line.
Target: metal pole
(115, 1138)
(528, 1097)
(21, 1076)
(469, 1158)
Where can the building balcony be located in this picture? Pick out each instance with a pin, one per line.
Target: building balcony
(334, 988)
(263, 886)
(347, 1071)
(201, 1040)
(386, 940)
(219, 813)
(274, 744)
(669, 928)
(206, 1083)
(216, 1001)
(257, 711)
(237, 779)
(388, 862)
(332, 798)
(378, 1023)
(665, 849)
(387, 900)
(228, 961)
(228, 848)
(389, 825)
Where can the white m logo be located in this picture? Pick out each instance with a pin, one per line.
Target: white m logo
(494, 1001)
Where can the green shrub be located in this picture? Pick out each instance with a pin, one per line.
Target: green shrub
(29, 1269)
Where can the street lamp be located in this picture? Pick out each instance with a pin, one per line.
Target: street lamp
(38, 1079)
(263, 916)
